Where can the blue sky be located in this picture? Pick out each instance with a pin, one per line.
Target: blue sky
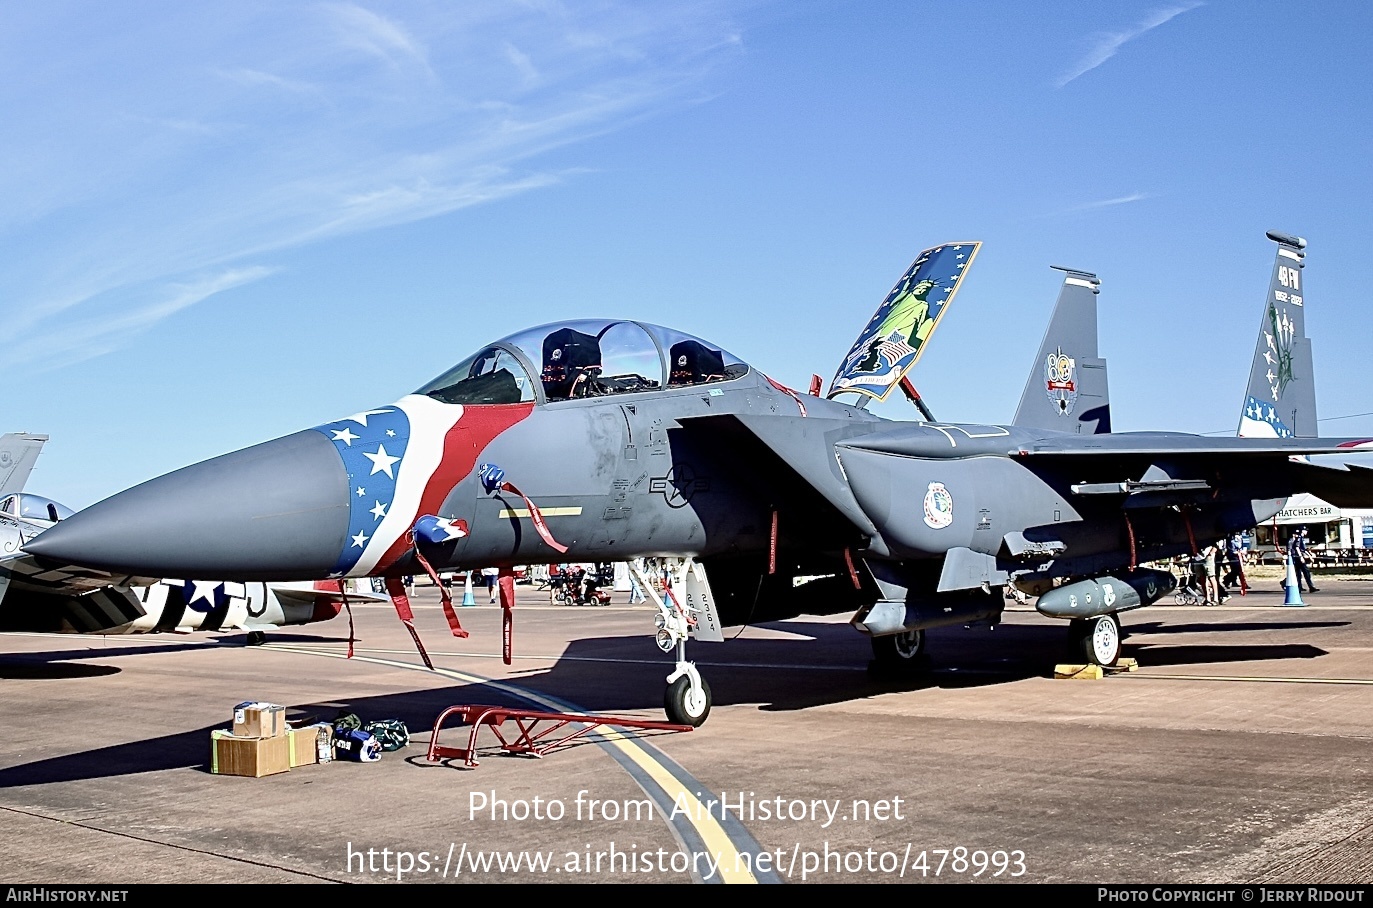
(224, 222)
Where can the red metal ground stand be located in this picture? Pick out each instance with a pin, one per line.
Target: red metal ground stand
(530, 740)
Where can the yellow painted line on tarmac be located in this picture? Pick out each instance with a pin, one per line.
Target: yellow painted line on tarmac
(707, 826)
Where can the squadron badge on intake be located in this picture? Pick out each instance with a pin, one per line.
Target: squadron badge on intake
(938, 506)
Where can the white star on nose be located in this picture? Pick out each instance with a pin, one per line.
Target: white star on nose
(379, 510)
(345, 435)
(381, 461)
(359, 540)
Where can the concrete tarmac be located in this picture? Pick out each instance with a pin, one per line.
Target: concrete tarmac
(1237, 752)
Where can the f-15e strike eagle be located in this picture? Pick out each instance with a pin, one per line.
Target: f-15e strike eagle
(611, 439)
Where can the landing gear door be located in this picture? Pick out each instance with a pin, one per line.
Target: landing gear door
(700, 603)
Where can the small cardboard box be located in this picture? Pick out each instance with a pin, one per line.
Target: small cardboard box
(232, 755)
(305, 744)
(259, 720)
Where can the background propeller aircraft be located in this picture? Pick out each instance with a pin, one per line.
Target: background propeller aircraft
(612, 439)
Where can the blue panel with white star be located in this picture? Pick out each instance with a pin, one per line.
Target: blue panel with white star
(1263, 411)
(372, 446)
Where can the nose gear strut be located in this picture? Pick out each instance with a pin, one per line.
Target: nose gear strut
(687, 698)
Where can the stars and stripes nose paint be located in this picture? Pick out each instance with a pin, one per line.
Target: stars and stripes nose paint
(402, 461)
(373, 445)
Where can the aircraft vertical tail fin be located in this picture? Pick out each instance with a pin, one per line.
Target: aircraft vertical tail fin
(1067, 389)
(891, 342)
(1280, 401)
(18, 452)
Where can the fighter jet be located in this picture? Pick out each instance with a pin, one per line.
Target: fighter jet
(610, 439)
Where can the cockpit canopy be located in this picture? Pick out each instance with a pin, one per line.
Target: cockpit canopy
(580, 359)
(30, 507)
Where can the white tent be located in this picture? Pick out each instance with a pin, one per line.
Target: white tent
(1306, 508)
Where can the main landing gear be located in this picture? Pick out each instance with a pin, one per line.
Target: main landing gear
(1095, 640)
(899, 655)
(687, 698)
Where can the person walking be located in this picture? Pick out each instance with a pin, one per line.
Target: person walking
(1234, 561)
(490, 575)
(1221, 558)
(636, 592)
(1297, 551)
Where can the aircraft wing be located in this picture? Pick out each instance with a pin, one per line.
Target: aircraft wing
(1174, 466)
(35, 591)
(48, 576)
(1153, 445)
(793, 456)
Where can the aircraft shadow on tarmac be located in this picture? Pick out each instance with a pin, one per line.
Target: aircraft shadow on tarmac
(834, 666)
(1158, 627)
(618, 675)
(16, 670)
(74, 663)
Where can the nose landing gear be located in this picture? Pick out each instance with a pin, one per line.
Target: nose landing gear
(687, 698)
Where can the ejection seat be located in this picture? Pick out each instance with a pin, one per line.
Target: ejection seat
(571, 364)
(693, 363)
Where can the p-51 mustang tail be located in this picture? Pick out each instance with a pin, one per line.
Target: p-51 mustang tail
(18, 452)
(1067, 390)
(1280, 401)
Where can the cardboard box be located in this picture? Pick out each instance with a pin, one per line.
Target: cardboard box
(306, 746)
(259, 720)
(232, 755)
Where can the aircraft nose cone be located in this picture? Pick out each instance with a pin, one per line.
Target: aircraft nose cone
(275, 511)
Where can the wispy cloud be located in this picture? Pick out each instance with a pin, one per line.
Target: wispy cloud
(106, 332)
(1106, 203)
(520, 60)
(376, 35)
(1095, 205)
(1105, 45)
(235, 131)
